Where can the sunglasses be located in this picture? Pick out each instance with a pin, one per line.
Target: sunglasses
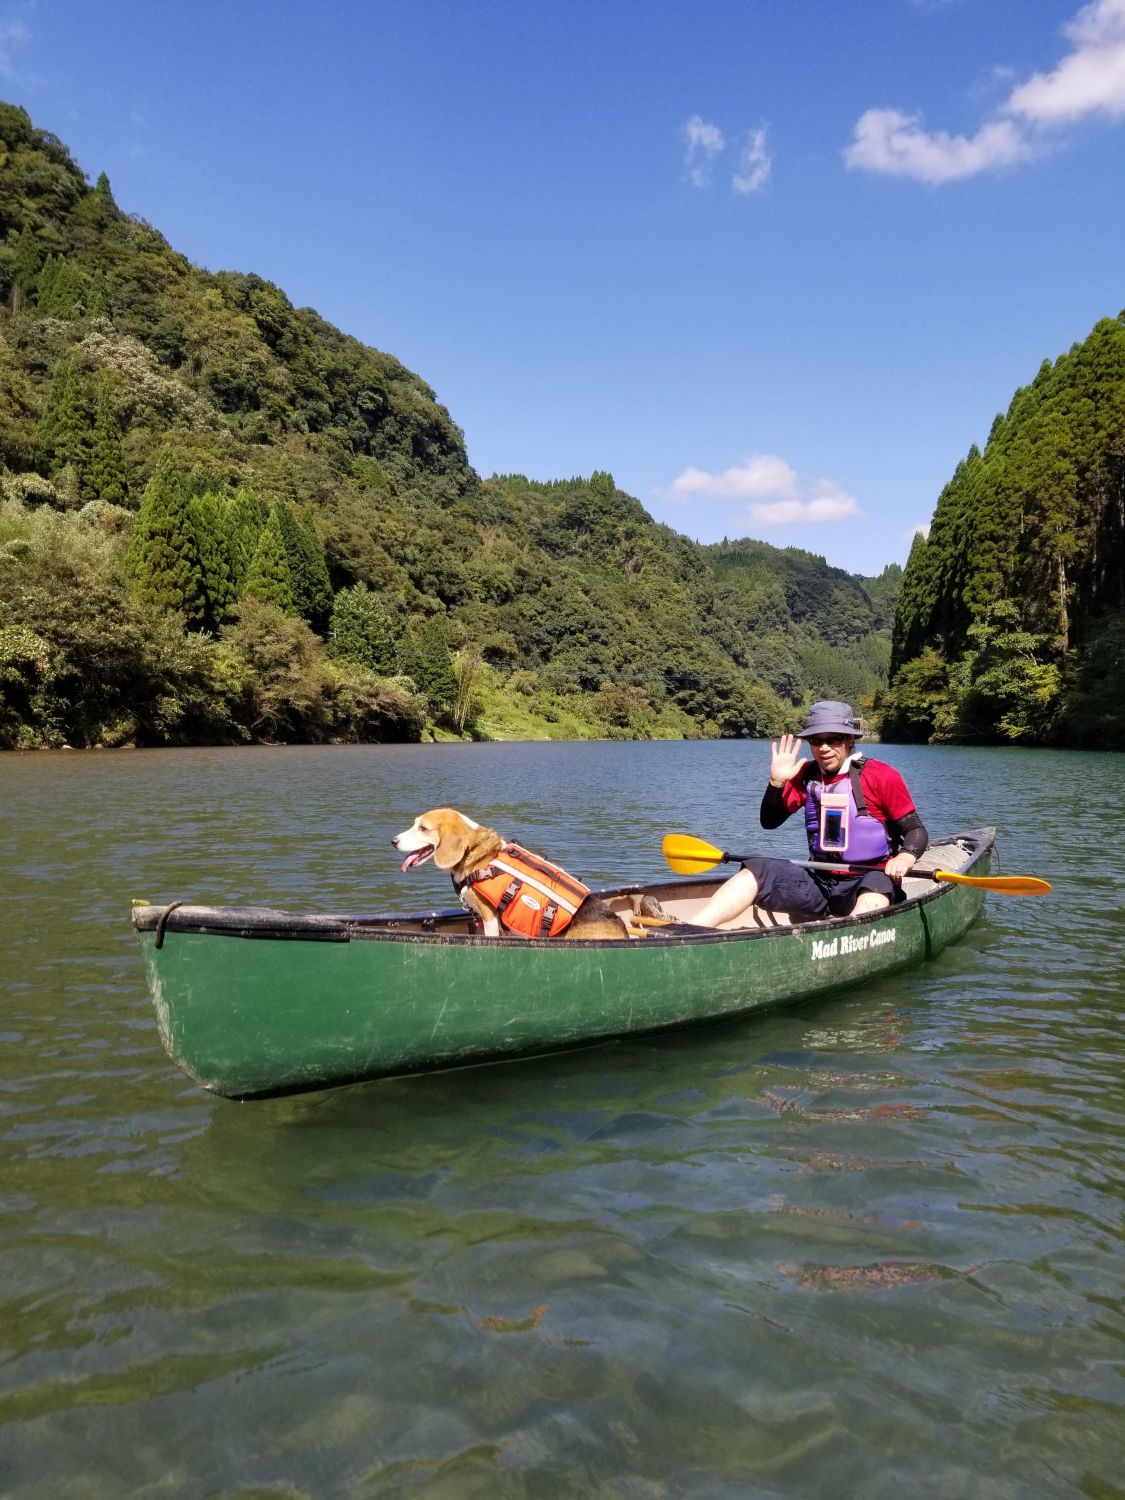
(816, 740)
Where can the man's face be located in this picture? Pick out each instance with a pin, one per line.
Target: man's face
(830, 751)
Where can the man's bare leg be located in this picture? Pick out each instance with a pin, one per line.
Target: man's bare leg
(729, 901)
(869, 901)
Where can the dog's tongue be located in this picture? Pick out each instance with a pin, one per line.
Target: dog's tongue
(416, 858)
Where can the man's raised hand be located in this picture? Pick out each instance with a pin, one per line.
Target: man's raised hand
(786, 761)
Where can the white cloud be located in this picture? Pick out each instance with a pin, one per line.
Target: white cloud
(754, 163)
(704, 143)
(12, 37)
(1088, 82)
(760, 474)
(829, 503)
(888, 141)
(770, 486)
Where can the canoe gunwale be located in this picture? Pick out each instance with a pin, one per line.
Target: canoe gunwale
(272, 924)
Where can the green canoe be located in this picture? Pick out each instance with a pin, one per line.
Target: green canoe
(251, 1001)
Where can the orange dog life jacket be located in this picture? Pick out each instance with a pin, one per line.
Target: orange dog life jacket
(531, 896)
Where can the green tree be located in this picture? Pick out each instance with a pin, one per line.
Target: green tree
(268, 579)
(19, 437)
(1013, 684)
(24, 663)
(213, 543)
(96, 294)
(425, 657)
(360, 630)
(244, 516)
(1095, 687)
(163, 564)
(308, 571)
(66, 430)
(627, 710)
(468, 670)
(276, 670)
(61, 288)
(104, 478)
(27, 258)
(911, 709)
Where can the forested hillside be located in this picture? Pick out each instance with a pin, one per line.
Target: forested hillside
(1011, 616)
(222, 520)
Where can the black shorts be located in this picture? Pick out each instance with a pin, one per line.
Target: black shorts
(784, 886)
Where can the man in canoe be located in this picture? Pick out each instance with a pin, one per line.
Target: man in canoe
(857, 812)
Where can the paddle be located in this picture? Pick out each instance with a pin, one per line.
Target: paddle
(690, 856)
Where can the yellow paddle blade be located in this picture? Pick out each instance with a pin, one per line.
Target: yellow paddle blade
(688, 856)
(1007, 885)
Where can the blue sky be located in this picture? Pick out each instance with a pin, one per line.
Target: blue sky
(775, 264)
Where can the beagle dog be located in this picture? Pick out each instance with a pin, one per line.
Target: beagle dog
(509, 891)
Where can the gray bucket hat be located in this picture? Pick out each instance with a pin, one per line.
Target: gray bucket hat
(830, 717)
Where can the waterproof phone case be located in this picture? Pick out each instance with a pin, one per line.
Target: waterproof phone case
(835, 814)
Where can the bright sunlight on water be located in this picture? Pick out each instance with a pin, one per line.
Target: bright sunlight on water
(870, 1247)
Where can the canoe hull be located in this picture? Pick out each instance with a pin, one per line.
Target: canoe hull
(264, 1011)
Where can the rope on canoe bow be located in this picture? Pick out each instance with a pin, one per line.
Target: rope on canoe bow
(163, 922)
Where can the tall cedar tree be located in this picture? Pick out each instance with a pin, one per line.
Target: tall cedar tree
(104, 478)
(268, 579)
(61, 289)
(163, 564)
(244, 516)
(308, 572)
(27, 259)
(208, 520)
(66, 430)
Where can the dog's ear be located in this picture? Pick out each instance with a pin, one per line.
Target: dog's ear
(451, 850)
(452, 841)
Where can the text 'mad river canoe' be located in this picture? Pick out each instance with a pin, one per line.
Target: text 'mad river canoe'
(251, 1001)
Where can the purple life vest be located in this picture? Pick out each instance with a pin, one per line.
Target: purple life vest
(864, 836)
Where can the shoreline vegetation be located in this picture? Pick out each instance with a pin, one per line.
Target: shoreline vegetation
(224, 521)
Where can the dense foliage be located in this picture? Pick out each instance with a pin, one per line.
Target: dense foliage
(1011, 616)
(223, 519)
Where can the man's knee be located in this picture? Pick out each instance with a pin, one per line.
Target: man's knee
(739, 892)
(870, 901)
(729, 901)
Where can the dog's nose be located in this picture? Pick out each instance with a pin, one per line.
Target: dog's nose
(394, 842)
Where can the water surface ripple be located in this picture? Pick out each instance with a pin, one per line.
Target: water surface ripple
(866, 1247)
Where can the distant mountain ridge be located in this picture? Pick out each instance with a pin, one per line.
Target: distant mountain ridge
(258, 527)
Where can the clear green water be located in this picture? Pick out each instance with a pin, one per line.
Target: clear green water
(870, 1247)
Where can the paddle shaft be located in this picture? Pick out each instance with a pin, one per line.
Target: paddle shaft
(824, 864)
(691, 856)
(1012, 885)
(831, 869)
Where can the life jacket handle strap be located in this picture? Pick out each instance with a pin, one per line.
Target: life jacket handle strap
(855, 776)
